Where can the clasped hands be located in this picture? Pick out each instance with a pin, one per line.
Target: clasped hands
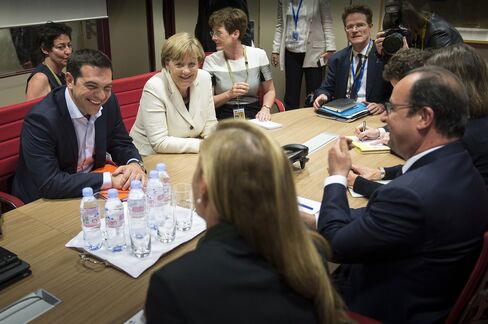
(124, 174)
(340, 163)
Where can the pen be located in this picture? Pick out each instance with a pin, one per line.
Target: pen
(305, 206)
(364, 129)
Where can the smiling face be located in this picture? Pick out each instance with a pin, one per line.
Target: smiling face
(91, 89)
(60, 52)
(223, 39)
(183, 72)
(358, 30)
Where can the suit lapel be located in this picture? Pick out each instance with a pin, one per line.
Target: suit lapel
(373, 70)
(100, 140)
(344, 77)
(177, 100)
(67, 131)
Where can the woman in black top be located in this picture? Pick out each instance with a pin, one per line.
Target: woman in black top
(55, 45)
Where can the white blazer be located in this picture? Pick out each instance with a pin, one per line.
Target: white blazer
(319, 30)
(164, 125)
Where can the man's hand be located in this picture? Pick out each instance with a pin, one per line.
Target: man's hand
(124, 174)
(375, 108)
(275, 59)
(264, 114)
(319, 101)
(309, 220)
(368, 133)
(351, 178)
(367, 173)
(238, 89)
(339, 157)
(380, 37)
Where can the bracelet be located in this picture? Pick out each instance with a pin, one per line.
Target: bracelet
(266, 106)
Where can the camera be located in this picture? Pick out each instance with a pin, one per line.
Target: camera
(394, 31)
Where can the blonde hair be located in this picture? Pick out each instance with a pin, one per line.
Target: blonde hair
(250, 185)
(177, 46)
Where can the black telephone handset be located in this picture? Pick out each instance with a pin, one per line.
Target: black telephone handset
(297, 152)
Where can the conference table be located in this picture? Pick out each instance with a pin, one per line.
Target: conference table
(38, 231)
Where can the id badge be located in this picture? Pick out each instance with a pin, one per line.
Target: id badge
(294, 35)
(239, 113)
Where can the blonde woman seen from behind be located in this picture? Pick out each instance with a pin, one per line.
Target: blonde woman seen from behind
(176, 109)
(257, 261)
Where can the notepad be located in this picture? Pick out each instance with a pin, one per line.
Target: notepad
(319, 141)
(347, 115)
(268, 124)
(340, 104)
(369, 146)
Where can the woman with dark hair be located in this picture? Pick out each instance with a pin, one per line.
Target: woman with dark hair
(55, 46)
(257, 263)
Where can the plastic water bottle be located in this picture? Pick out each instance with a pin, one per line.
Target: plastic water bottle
(90, 220)
(154, 199)
(165, 181)
(140, 234)
(114, 222)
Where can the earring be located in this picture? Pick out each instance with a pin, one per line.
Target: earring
(199, 200)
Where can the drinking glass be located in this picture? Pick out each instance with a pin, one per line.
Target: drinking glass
(182, 201)
(166, 225)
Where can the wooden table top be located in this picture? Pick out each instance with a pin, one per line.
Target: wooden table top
(38, 231)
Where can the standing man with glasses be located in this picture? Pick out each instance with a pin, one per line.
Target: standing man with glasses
(356, 71)
(414, 245)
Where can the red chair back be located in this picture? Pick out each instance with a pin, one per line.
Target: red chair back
(472, 303)
(11, 119)
(129, 91)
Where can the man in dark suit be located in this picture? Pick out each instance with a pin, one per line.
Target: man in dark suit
(355, 71)
(407, 255)
(73, 131)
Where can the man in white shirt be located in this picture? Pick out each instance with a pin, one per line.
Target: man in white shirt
(74, 130)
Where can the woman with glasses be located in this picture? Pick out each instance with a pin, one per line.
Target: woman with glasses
(238, 71)
(303, 42)
(257, 263)
(176, 109)
(55, 46)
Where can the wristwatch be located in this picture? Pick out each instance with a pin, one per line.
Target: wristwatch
(382, 173)
(266, 106)
(139, 163)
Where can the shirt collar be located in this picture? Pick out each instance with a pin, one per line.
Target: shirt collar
(74, 111)
(408, 164)
(364, 51)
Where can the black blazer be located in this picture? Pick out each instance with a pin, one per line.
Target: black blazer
(335, 84)
(408, 253)
(49, 149)
(223, 281)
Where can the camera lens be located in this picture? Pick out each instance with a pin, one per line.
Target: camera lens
(392, 43)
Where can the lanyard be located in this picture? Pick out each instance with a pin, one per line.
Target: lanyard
(55, 75)
(246, 63)
(354, 74)
(295, 16)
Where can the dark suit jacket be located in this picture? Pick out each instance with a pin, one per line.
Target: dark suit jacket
(335, 84)
(49, 149)
(223, 281)
(409, 252)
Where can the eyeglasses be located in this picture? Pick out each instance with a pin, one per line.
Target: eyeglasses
(393, 107)
(360, 26)
(216, 33)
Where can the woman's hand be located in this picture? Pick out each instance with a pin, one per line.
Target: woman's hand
(264, 114)
(238, 89)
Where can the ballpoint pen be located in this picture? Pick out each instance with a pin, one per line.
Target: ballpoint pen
(363, 129)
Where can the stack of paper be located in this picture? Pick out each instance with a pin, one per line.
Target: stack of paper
(268, 124)
(369, 146)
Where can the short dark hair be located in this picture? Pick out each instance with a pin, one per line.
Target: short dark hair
(231, 18)
(87, 56)
(445, 94)
(404, 61)
(465, 62)
(49, 32)
(358, 8)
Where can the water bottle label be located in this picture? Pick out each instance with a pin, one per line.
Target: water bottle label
(90, 217)
(136, 209)
(114, 218)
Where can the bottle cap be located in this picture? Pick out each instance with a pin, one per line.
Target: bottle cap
(161, 167)
(153, 174)
(135, 184)
(87, 192)
(113, 193)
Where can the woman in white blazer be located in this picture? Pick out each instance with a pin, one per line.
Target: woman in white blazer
(176, 109)
(303, 35)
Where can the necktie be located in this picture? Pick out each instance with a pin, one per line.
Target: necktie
(354, 87)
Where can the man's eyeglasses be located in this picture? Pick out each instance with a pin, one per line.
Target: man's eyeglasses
(360, 26)
(394, 107)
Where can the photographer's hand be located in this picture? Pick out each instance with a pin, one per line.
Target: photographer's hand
(380, 37)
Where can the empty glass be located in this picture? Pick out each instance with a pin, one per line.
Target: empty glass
(182, 201)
